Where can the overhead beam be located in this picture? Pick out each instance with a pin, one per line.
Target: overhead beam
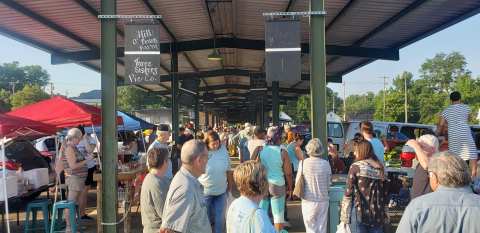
(152, 10)
(29, 13)
(234, 72)
(238, 43)
(411, 7)
(85, 5)
(240, 87)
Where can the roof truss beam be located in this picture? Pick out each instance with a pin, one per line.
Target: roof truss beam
(203, 44)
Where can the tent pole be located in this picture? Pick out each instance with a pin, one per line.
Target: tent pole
(4, 173)
(108, 51)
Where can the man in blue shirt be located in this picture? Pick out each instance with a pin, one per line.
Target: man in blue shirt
(451, 208)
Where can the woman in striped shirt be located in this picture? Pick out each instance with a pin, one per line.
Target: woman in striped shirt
(317, 174)
(454, 124)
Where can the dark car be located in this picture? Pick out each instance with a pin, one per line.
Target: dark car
(24, 153)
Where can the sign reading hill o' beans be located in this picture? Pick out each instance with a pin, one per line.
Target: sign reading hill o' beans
(142, 54)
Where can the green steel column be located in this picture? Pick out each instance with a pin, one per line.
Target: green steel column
(207, 120)
(197, 117)
(109, 124)
(174, 84)
(318, 73)
(275, 103)
(262, 113)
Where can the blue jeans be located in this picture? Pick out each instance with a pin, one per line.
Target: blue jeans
(216, 211)
(358, 227)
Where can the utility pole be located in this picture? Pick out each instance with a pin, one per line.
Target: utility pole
(344, 102)
(384, 96)
(406, 101)
(12, 85)
(333, 103)
(51, 89)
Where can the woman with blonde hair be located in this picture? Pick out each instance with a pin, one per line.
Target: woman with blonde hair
(75, 167)
(244, 214)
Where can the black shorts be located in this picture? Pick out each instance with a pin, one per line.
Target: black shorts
(89, 181)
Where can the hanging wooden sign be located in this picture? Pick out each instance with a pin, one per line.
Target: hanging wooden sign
(283, 51)
(142, 54)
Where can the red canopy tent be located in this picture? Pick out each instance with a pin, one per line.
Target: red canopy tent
(61, 112)
(16, 127)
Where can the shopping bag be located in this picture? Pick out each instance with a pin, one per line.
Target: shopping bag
(299, 185)
(343, 228)
(230, 199)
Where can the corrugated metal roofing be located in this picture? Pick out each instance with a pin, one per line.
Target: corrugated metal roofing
(367, 23)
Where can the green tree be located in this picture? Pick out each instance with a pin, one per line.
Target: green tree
(300, 110)
(360, 106)
(130, 98)
(22, 75)
(28, 95)
(4, 101)
(441, 71)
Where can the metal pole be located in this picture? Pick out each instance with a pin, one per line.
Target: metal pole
(384, 95)
(197, 117)
(318, 95)
(109, 115)
(275, 103)
(174, 84)
(344, 103)
(207, 120)
(262, 114)
(406, 101)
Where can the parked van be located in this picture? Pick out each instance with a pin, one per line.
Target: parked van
(381, 129)
(335, 131)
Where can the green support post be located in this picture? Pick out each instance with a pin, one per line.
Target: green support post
(174, 84)
(175, 114)
(318, 73)
(197, 117)
(261, 112)
(109, 116)
(275, 103)
(207, 120)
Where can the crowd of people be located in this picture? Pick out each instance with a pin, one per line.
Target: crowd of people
(190, 183)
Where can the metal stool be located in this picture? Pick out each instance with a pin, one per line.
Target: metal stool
(74, 215)
(33, 207)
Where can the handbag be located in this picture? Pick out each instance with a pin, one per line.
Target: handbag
(343, 228)
(299, 185)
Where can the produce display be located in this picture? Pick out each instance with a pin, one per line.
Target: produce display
(392, 157)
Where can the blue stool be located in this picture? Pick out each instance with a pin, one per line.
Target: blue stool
(33, 207)
(74, 215)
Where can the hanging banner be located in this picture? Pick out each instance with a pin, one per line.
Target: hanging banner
(283, 51)
(142, 54)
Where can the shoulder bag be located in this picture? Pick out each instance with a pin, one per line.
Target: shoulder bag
(299, 185)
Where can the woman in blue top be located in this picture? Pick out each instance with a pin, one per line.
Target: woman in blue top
(216, 181)
(244, 214)
(279, 175)
(295, 153)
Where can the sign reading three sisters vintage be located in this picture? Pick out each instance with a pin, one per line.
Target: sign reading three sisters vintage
(142, 54)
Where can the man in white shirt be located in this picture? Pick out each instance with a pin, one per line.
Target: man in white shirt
(257, 140)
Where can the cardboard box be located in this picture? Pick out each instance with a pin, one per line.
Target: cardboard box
(37, 177)
(12, 187)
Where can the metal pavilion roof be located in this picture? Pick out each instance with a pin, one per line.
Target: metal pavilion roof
(357, 33)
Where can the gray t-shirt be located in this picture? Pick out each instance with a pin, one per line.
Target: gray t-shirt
(152, 200)
(185, 208)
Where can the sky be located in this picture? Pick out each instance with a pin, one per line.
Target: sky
(72, 79)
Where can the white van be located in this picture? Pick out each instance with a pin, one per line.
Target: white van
(381, 129)
(335, 131)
